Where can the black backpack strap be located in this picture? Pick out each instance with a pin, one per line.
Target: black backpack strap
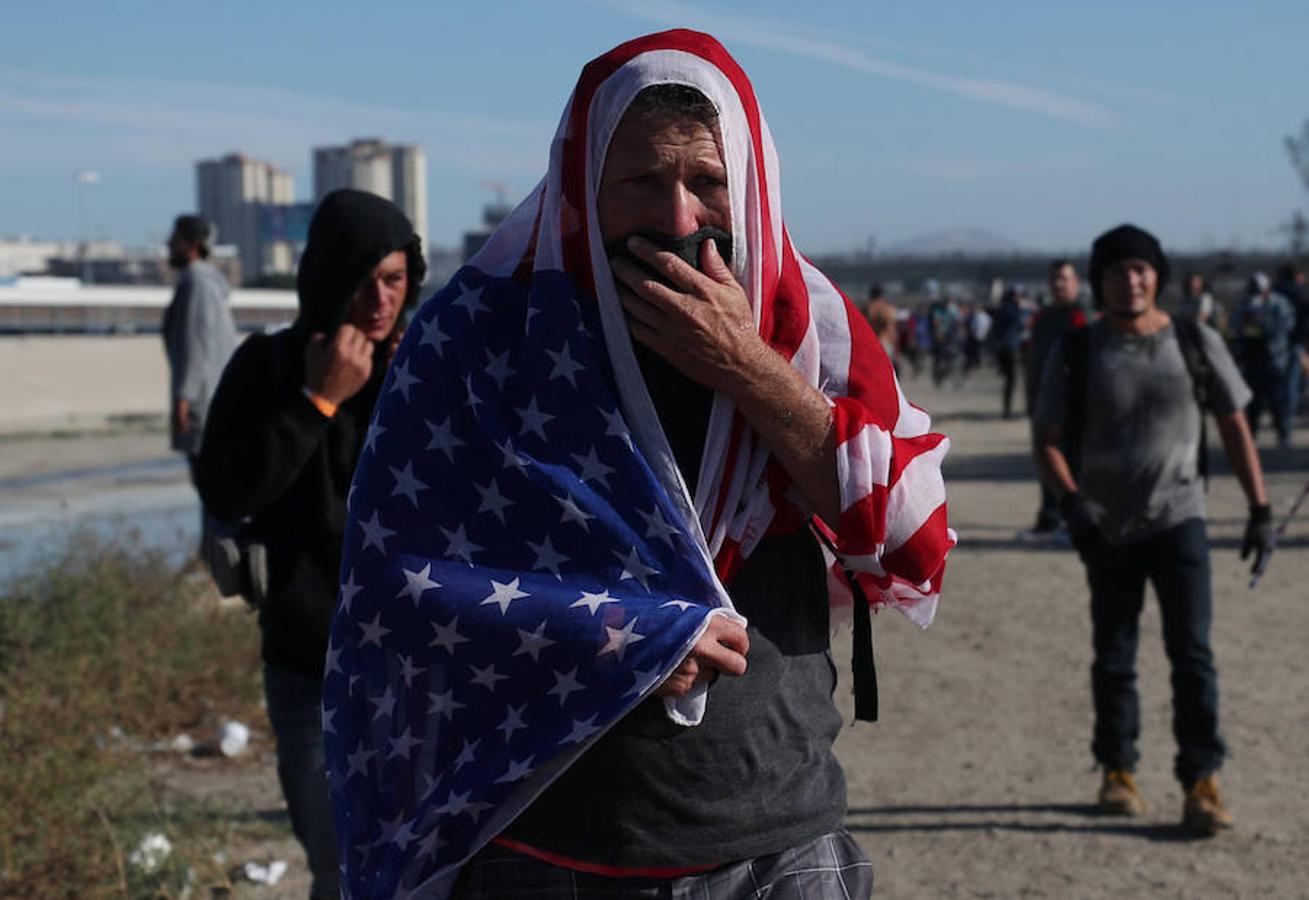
(1077, 361)
(862, 664)
(1190, 341)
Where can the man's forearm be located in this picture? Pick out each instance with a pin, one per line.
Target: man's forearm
(794, 420)
(1244, 458)
(1052, 466)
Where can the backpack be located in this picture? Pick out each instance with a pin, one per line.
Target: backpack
(1077, 352)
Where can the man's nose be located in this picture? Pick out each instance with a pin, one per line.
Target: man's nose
(680, 213)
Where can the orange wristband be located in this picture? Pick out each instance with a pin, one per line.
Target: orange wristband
(322, 404)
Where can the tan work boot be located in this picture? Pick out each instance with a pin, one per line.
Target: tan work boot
(1204, 811)
(1118, 794)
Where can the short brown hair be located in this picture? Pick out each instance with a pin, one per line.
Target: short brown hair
(674, 101)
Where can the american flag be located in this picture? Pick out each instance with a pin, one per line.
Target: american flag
(515, 579)
(523, 562)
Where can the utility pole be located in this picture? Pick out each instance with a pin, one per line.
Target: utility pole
(84, 180)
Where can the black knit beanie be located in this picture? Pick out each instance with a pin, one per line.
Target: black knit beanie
(1127, 242)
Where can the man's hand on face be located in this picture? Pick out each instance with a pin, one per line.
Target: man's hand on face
(702, 325)
(336, 369)
(722, 648)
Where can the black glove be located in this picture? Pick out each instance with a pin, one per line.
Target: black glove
(1082, 527)
(1258, 535)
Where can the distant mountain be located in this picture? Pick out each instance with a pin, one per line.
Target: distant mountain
(954, 242)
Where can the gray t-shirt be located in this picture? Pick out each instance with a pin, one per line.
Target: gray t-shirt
(1139, 442)
(755, 777)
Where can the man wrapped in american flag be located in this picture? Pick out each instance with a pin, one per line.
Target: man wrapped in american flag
(592, 486)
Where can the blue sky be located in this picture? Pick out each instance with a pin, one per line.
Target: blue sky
(1044, 122)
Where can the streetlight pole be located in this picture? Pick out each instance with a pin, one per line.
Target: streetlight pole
(83, 180)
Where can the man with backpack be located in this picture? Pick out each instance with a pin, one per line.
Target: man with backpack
(1131, 391)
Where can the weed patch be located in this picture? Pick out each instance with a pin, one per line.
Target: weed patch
(102, 653)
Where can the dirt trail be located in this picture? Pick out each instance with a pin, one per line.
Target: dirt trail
(978, 780)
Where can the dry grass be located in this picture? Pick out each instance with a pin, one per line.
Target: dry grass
(102, 653)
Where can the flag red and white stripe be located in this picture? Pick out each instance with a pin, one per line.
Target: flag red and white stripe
(893, 530)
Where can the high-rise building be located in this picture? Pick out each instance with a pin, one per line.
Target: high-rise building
(409, 186)
(397, 172)
(230, 192)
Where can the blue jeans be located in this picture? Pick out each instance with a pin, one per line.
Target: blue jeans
(295, 707)
(1176, 562)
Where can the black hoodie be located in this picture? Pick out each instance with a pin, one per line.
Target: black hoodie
(271, 457)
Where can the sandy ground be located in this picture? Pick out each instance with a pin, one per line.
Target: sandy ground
(79, 381)
(978, 780)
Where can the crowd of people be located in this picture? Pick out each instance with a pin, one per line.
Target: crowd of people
(1265, 325)
(546, 568)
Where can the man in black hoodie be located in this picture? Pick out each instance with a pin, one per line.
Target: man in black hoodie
(286, 428)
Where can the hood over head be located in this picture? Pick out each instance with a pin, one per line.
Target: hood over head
(351, 232)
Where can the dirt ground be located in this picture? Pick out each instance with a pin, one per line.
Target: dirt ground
(978, 780)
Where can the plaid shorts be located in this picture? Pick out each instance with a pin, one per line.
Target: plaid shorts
(831, 867)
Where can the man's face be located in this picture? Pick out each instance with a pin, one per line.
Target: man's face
(1128, 288)
(378, 301)
(1195, 285)
(1064, 284)
(662, 173)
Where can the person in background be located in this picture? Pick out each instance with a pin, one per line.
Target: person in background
(978, 322)
(1064, 313)
(918, 336)
(1008, 335)
(1197, 301)
(881, 315)
(199, 337)
(1126, 388)
(287, 427)
(1290, 284)
(1262, 326)
(946, 322)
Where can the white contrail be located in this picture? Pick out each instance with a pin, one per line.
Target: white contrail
(792, 39)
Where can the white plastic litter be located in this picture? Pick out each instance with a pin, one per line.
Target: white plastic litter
(233, 736)
(269, 874)
(151, 853)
